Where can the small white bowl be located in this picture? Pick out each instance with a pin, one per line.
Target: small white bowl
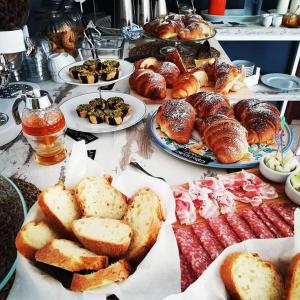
(291, 192)
(273, 175)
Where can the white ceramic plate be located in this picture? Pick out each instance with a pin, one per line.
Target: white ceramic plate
(125, 70)
(136, 113)
(281, 81)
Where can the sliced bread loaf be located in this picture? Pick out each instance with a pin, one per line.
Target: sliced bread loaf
(97, 198)
(60, 208)
(32, 237)
(247, 277)
(70, 256)
(293, 282)
(144, 216)
(116, 272)
(103, 236)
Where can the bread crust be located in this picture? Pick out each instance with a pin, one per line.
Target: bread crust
(138, 252)
(58, 226)
(116, 272)
(227, 274)
(294, 264)
(21, 243)
(102, 247)
(81, 200)
(52, 256)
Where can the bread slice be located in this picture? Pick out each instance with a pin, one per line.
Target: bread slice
(32, 237)
(144, 216)
(70, 256)
(60, 208)
(97, 198)
(116, 272)
(103, 236)
(293, 281)
(246, 276)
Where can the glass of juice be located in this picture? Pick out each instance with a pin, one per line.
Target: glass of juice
(217, 7)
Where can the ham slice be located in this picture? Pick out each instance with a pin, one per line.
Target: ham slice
(213, 196)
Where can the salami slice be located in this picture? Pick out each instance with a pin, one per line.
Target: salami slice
(208, 240)
(286, 212)
(187, 274)
(192, 250)
(223, 232)
(268, 223)
(240, 227)
(277, 221)
(256, 224)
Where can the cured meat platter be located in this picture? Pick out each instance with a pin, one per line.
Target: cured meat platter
(197, 153)
(207, 234)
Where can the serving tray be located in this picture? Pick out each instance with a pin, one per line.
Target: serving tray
(197, 153)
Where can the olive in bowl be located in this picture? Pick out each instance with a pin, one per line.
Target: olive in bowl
(273, 168)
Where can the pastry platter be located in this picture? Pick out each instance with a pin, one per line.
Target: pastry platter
(176, 40)
(125, 70)
(197, 153)
(136, 113)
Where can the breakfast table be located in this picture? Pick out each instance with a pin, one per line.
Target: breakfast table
(114, 151)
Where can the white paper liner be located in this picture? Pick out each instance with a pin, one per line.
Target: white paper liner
(157, 276)
(209, 286)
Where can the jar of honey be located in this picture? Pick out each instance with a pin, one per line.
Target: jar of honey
(43, 124)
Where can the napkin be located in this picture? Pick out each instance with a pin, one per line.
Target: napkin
(157, 276)
(278, 251)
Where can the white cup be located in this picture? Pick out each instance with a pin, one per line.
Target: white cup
(277, 20)
(266, 20)
(56, 62)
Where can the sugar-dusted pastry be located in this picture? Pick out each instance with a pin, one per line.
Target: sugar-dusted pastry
(176, 119)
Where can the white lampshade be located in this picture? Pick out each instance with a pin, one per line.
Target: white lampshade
(12, 41)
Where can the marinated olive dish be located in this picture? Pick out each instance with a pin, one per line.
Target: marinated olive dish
(111, 111)
(92, 70)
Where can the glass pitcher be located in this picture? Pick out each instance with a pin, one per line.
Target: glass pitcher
(43, 124)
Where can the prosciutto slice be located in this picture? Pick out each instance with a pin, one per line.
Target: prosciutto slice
(213, 196)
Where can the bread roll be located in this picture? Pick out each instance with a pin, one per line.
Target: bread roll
(209, 104)
(226, 137)
(261, 119)
(176, 119)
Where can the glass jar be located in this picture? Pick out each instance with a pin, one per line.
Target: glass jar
(63, 33)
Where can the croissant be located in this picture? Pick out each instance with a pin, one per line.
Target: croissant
(208, 104)
(189, 83)
(189, 19)
(261, 119)
(195, 30)
(225, 136)
(173, 56)
(146, 63)
(176, 119)
(226, 77)
(168, 70)
(175, 25)
(148, 84)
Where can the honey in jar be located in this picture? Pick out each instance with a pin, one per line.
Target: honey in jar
(43, 125)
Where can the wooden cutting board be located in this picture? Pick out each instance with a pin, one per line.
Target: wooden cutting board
(243, 93)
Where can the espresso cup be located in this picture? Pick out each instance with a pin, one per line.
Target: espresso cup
(277, 20)
(266, 20)
(56, 62)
